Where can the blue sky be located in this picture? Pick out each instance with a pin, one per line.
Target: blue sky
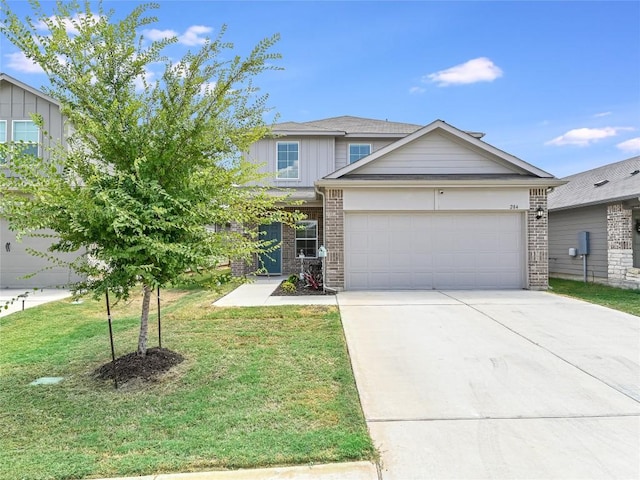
(556, 84)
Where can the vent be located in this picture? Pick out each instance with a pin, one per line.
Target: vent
(600, 183)
(635, 172)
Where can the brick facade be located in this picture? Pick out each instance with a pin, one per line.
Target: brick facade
(538, 240)
(334, 222)
(290, 260)
(620, 247)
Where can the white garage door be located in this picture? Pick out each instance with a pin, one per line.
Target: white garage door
(393, 251)
(16, 261)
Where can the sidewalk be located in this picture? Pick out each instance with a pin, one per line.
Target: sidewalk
(24, 298)
(258, 293)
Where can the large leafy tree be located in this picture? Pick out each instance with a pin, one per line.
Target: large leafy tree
(150, 164)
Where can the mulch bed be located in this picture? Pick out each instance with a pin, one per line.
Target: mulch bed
(130, 366)
(300, 290)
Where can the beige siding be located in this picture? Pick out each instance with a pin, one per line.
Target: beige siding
(435, 154)
(564, 226)
(342, 147)
(18, 104)
(316, 159)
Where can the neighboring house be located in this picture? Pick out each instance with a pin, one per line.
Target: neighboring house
(605, 202)
(402, 206)
(17, 102)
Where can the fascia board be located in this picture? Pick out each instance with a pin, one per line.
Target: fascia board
(530, 182)
(308, 133)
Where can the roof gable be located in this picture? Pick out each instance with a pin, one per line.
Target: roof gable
(438, 149)
(9, 79)
(609, 183)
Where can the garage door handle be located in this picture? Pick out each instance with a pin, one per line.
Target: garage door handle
(7, 246)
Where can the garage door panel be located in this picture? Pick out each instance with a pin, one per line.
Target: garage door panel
(434, 250)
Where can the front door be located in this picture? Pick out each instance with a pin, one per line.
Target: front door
(272, 261)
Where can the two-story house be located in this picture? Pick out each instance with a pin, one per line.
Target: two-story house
(18, 101)
(403, 206)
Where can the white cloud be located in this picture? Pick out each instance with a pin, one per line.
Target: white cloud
(602, 114)
(630, 146)
(417, 90)
(477, 70)
(585, 136)
(20, 63)
(154, 34)
(194, 35)
(69, 22)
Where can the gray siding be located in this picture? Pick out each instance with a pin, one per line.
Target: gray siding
(435, 153)
(342, 147)
(564, 226)
(316, 159)
(18, 104)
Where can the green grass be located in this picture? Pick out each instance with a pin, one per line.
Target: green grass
(259, 387)
(617, 298)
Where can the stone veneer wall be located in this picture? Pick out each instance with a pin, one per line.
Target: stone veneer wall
(620, 247)
(240, 268)
(538, 240)
(334, 238)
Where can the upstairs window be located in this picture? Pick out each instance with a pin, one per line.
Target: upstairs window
(28, 132)
(358, 150)
(3, 138)
(307, 238)
(287, 156)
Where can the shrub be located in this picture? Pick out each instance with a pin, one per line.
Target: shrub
(293, 278)
(288, 287)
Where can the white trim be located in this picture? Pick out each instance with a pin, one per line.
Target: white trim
(295, 239)
(297, 142)
(440, 125)
(358, 144)
(5, 131)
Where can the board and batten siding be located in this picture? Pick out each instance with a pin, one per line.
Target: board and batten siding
(342, 147)
(315, 159)
(435, 154)
(16, 103)
(564, 226)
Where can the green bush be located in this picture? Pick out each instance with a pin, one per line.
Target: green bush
(293, 278)
(288, 287)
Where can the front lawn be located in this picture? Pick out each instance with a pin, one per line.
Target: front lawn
(618, 298)
(258, 387)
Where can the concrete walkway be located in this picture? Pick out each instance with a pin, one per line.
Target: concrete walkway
(496, 385)
(258, 293)
(25, 298)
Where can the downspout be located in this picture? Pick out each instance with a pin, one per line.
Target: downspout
(325, 287)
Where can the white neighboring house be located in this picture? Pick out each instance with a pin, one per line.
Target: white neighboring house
(403, 206)
(17, 102)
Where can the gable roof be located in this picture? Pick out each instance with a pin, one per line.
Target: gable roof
(609, 183)
(439, 125)
(348, 126)
(8, 78)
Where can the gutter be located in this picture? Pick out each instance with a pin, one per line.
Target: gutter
(507, 183)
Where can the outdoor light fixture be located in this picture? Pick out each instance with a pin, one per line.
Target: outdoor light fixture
(539, 213)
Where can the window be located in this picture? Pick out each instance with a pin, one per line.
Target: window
(288, 160)
(358, 150)
(3, 137)
(28, 132)
(307, 238)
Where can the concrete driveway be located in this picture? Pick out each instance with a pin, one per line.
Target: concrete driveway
(498, 384)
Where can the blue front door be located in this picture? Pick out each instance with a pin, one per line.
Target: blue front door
(272, 261)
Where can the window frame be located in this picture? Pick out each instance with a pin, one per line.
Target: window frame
(357, 145)
(3, 140)
(278, 177)
(315, 239)
(36, 143)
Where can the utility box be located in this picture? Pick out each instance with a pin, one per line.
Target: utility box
(573, 252)
(583, 243)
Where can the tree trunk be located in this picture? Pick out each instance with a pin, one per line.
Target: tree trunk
(144, 322)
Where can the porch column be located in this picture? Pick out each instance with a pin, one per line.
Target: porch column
(619, 242)
(538, 240)
(334, 238)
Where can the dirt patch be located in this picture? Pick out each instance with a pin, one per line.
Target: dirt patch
(301, 289)
(148, 368)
